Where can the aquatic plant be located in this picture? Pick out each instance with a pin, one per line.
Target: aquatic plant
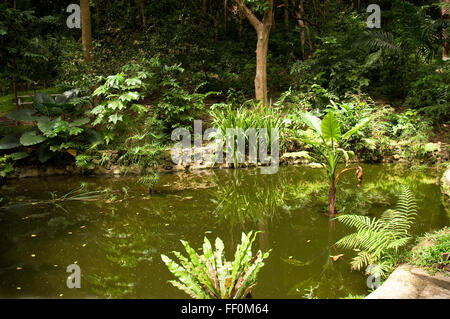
(210, 276)
(245, 118)
(330, 149)
(78, 194)
(379, 239)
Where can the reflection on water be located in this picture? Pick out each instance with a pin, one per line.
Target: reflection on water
(117, 241)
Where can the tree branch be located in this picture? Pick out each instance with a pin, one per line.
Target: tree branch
(249, 14)
(268, 15)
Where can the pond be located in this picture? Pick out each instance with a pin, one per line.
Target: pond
(117, 241)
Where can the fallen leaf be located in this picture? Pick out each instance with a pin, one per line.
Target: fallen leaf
(72, 152)
(337, 257)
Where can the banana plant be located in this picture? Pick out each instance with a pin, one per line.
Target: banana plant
(210, 276)
(329, 149)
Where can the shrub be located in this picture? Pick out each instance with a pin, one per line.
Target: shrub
(431, 95)
(432, 257)
(56, 128)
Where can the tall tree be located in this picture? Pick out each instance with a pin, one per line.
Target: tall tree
(304, 29)
(262, 28)
(143, 16)
(286, 13)
(86, 30)
(446, 15)
(225, 15)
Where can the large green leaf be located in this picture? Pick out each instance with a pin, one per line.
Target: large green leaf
(357, 127)
(44, 153)
(10, 141)
(19, 155)
(312, 121)
(79, 122)
(66, 96)
(94, 137)
(23, 115)
(45, 104)
(331, 130)
(46, 126)
(31, 138)
(42, 98)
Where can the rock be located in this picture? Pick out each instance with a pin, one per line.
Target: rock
(295, 158)
(445, 188)
(101, 171)
(446, 177)
(27, 173)
(135, 169)
(115, 170)
(315, 165)
(409, 282)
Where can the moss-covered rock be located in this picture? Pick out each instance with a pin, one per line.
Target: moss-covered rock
(445, 186)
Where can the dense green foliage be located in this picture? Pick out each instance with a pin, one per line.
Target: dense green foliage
(58, 127)
(434, 254)
(338, 93)
(154, 71)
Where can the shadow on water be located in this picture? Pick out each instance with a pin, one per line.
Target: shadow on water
(117, 240)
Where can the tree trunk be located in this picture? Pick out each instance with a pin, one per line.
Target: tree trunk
(446, 49)
(303, 28)
(204, 5)
(286, 13)
(225, 15)
(86, 30)
(14, 85)
(263, 32)
(332, 198)
(144, 18)
(262, 48)
(241, 25)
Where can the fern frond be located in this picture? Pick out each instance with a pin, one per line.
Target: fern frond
(380, 237)
(362, 260)
(358, 222)
(381, 40)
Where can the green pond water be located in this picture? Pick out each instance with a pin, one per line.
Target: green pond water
(117, 241)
